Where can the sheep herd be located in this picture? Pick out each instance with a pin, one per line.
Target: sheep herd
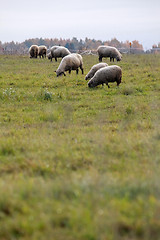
(100, 73)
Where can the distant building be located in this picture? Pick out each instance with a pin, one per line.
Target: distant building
(131, 50)
(155, 50)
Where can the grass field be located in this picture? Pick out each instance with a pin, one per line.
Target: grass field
(79, 163)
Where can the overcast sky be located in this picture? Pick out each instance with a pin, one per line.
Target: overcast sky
(98, 19)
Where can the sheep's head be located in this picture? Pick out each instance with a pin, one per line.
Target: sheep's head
(60, 73)
(91, 84)
(86, 77)
(119, 58)
(89, 75)
(49, 56)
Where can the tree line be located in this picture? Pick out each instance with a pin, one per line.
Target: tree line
(73, 44)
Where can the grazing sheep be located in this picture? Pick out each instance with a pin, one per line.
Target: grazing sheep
(105, 75)
(70, 62)
(33, 51)
(42, 51)
(94, 69)
(50, 54)
(107, 51)
(58, 52)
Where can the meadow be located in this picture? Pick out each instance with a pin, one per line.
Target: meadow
(79, 163)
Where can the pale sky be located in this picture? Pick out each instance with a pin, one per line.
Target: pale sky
(98, 19)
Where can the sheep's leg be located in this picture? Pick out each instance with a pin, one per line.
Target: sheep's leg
(119, 81)
(100, 59)
(69, 71)
(55, 59)
(81, 69)
(118, 84)
(77, 70)
(107, 85)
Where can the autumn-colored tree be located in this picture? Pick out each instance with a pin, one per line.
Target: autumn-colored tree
(136, 44)
(125, 44)
(73, 44)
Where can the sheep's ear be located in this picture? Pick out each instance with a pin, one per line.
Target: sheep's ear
(55, 71)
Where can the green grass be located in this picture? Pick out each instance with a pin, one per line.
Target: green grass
(79, 163)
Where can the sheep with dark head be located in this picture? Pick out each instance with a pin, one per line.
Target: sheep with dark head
(49, 56)
(94, 69)
(33, 51)
(58, 52)
(107, 51)
(105, 75)
(42, 51)
(70, 62)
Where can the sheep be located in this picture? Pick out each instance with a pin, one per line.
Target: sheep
(33, 51)
(50, 54)
(105, 75)
(58, 52)
(94, 69)
(70, 62)
(107, 51)
(42, 51)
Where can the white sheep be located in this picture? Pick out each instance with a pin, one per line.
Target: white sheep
(33, 51)
(50, 54)
(105, 75)
(94, 69)
(107, 51)
(70, 62)
(58, 52)
(42, 51)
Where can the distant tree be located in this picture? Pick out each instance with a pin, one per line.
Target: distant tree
(81, 44)
(41, 41)
(115, 43)
(71, 46)
(136, 44)
(67, 45)
(126, 44)
(28, 43)
(75, 43)
(154, 46)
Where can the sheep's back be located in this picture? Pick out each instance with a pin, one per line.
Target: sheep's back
(33, 47)
(107, 51)
(61, 52)
(73, 60)
(97, 66)
(109, 72)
